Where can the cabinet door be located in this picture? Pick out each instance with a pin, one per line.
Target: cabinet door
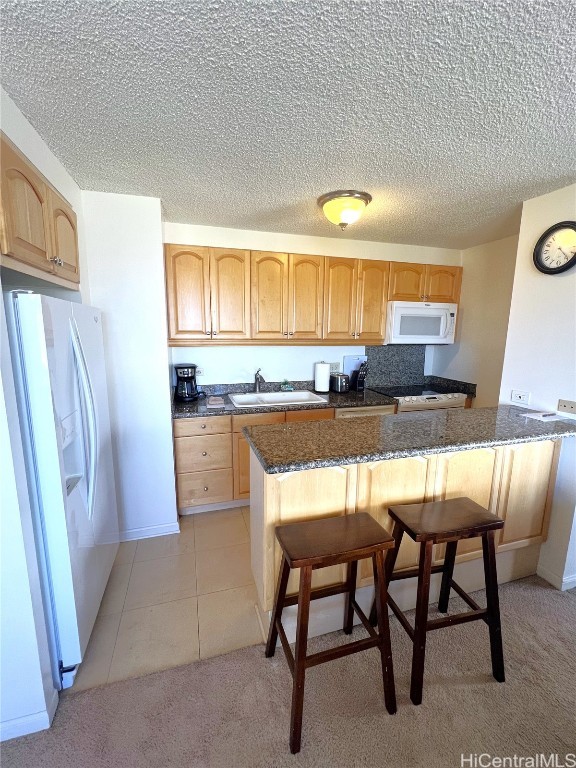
(230, 293)
(471, 474)
(372, 293)
(385, 483)
(269, 295)
(188, 292)
(333, 490)
(340, 299)
(407, 281)
(305, 296)
(241, 463)
(528, 477)
(443, 284)
(25, 211)
(64, 232)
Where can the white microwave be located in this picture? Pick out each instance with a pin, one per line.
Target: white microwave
(420, 322)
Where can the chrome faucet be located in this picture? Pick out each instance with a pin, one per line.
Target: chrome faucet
(258, 379)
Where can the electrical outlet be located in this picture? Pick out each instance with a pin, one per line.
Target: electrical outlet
(334, 367)
(518, 396)
(199, 371)
(567, 406)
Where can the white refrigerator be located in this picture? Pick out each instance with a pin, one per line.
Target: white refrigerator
(58, 361)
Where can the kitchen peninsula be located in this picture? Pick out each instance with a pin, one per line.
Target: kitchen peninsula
(499, 457)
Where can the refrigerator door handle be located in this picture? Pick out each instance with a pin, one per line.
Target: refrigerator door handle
(92, 426)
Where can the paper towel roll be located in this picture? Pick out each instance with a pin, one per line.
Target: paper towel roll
(322, 377)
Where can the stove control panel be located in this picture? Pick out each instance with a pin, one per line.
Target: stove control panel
(423, 402)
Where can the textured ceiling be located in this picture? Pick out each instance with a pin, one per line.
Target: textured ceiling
(239, 113)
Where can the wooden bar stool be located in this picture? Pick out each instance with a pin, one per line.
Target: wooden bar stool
(433, 523)
(319, 544)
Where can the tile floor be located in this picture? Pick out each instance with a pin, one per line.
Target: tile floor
(175, 599)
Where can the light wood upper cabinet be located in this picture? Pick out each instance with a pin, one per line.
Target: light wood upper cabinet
(64, 233)
(287, 292)
(208, 293)
(443, 283)
(424, 282)
(372, 292)
(305, 296)
(188, 292)
(26, 230)
(355, 300)
(230, 293)
(340, 299)
(269, 295)
(37, 226)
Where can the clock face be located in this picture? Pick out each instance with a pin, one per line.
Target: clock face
(555, 251)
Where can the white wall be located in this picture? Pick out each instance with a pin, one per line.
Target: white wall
(234, 365)
(126, 276)
(222, 237)
(540, 358)
(27, 695)
(230, 365)
(478, 354)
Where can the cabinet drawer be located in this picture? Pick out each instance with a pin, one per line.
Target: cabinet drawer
(208, 426)
(194, 454)
(204, 487)
(256, 419)
(316, 415)
(371, 410)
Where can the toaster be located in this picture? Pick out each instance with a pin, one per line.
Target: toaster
(339, 382)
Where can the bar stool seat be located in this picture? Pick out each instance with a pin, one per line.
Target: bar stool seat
(319, 544)
(447, 522)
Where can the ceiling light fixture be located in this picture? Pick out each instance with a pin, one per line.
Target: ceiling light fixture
(344, 206)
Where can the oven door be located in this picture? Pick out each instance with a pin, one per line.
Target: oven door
(420, 323)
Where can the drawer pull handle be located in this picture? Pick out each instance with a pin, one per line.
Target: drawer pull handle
(203, 426)
(205, 487)
(204, 453)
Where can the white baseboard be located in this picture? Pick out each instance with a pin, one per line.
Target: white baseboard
(149, 531)
(39, 721)
(560, 582)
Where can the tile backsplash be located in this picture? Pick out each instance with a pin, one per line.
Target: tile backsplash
(395, 364)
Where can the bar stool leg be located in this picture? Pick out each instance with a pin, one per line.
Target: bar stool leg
(389, 563)
(278, 607)
(351, 572)
(447, 574)
(493, 605)
(419, 642)
(381, 602)
(300, 658)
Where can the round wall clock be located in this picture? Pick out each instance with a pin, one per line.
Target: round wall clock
(555, 250)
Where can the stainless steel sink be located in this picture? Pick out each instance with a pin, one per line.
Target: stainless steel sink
(275, 399)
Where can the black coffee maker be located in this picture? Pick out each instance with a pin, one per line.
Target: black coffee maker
(186, 389)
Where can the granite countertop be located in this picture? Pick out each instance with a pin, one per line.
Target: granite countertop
(309, 445)
(332, 400)
(364, 399)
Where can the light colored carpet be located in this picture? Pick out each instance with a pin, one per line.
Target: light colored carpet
(233, 711)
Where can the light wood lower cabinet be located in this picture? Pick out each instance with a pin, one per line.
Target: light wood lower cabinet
(515, 482)
(241, 449)
(203, 459)
(212, 457)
